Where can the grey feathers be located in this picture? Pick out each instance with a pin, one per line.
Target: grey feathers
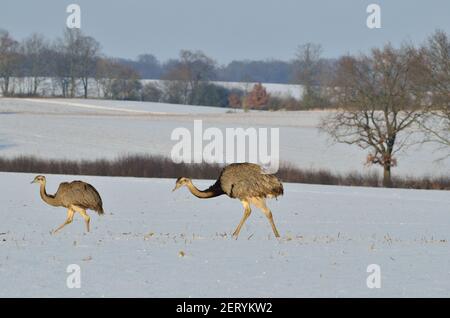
(246, 180)
(80, 194)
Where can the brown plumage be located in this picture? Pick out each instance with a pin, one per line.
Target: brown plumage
(76, 196)
(244, 181)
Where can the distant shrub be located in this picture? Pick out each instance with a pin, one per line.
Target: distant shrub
(150, 92)
(161, 167)
(211, 95)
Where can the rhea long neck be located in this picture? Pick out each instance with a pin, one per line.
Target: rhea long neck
(211, 192)
(49, 199)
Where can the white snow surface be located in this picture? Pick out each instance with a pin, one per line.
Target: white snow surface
(330, 235)
(91, 129)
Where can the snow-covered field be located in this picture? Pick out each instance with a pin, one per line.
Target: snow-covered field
(83, 129)
(329, 237)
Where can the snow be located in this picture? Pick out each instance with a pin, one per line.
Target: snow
(329, 237)
(90, 129)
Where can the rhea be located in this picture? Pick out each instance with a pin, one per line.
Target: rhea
(76, 196)
(243, 181)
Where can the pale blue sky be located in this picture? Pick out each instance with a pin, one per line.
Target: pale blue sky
(230, 29)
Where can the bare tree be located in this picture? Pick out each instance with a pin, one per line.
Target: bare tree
(117, 81)
(127, 85)
(187, 74)
(176, 84)
(35, 49)
(9, 60)
(437, 124)
(68, 58)
(151, 92)
(308, 64)
(79, 54)
(379, 100)
(107, 72)
(89, 50)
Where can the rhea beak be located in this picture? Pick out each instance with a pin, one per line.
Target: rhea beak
(34, 181)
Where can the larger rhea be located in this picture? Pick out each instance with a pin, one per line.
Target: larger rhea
(76, 196)
(246, 182)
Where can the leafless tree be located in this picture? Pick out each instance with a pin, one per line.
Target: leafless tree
(107, 72)
(67, 48)
(35, 49)
(152, 92)
(187, 74)
(126, 86)
(176, 84)
(9, 60)
(89, 50)
(437, 124)
(380, 98)
(308, 64)
(79, 54)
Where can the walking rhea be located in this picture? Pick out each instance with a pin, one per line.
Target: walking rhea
(77, 196)
(246, 182)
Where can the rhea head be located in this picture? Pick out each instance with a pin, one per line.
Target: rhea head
(39, 179)
(181, 181)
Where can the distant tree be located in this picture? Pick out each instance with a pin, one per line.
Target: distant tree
(308, 66)
(177, 85)
(379, 101)
(148, 66)
(189, 72)
(107, 72)
(9, 60)
(127, 85)
(151, 93)
(258, 97)
(78, 54)
(67, 49)
(437, 122)
(35, 50)
(209, 94)
(89, 50)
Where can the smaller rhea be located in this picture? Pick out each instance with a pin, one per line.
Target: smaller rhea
(76, 196)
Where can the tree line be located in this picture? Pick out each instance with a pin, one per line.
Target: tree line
(75, 63)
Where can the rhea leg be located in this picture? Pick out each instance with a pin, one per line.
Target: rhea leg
(247, 212)
(261, 204)
(69, 219)
(85, 216)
